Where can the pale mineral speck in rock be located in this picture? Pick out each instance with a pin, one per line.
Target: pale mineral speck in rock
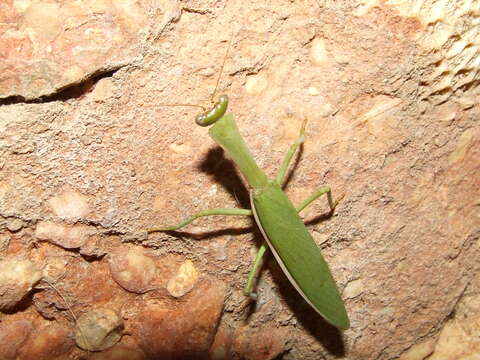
(453, 337)
(353, 289)
(256, 84)
(4, 242)
(462, 146)
(180, 148)
(313, 91)
(103, 90)
(14, 225)
(54, 268)
(319, 51)
(4, 188)
(70, 205)
(419, 351)
(184, 280)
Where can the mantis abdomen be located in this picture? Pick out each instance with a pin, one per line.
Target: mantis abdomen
(297, 253)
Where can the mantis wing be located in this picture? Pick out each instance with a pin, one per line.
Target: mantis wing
(296, 252)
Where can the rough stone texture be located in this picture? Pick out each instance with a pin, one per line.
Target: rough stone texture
(132, 269)
(18, 276)
(98, 329)
(458, 338)
(74, 285)
(13, 335)
(49, 45)
(221, 346)
(68, 237)
(69, 205)
(259, 344)
(119, 352)
(390, 90)
(49, 342)
(185, 331)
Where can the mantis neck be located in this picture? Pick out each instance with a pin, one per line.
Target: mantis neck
(225, 133)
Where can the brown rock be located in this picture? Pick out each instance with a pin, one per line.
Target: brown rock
(458, 340)
(50, 45)
(390, 92)
(120, 352)
(13, 334)
(17, 277)
(14, 224)
(50, 342)
(132, 269)
(95, 247)
(55, 268)
(263, 343)
(4, 242)
(98, 329)
(221, 347)
(66, 236)
(82, 285)
(186, 331)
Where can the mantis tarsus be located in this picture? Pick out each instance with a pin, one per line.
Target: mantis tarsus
(284, 231)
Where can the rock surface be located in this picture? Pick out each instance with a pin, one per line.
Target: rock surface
(184, 331)
(89, 159)
(132, 269)
(98, 329)
(184, 280)
(18, 276)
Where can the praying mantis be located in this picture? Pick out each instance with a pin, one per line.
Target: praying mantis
(277, 218)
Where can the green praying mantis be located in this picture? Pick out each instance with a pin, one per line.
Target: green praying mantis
(277, 218)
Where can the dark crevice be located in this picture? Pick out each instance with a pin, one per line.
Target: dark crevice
(71, 91)
(196, 11)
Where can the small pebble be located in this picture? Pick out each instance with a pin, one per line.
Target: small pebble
(98, 329)
(17, 278)
(14, 224)
(184, 280)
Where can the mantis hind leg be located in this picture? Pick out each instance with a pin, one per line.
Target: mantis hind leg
(191, 218)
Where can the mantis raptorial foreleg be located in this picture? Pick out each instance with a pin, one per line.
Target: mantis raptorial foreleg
(191, 218)
(282, 171)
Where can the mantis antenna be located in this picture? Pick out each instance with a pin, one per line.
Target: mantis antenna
(220, 107)
(210, 116)
(221, 69)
